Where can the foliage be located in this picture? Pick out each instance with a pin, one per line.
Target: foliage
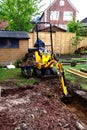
(82, 31)
(19, 13)
(81, 50)
(18, 62)
(73, 26)
(77, 27)
(76, 40)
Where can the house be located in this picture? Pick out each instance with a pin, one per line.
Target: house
(83, 28)
(13, 46)
(84, 21)
(59, 13)
(3, 25)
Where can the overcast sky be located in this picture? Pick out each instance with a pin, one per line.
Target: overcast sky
(80, 5)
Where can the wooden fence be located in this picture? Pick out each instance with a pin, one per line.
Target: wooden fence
(61, 41)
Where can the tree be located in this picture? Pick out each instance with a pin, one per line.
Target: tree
(76, 40)
(74, 26)
(18, 13)
(77, 27)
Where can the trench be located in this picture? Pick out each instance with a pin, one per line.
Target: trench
(15, 90)
(79, 107)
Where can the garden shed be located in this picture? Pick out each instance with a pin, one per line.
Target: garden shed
(13, 46)
(47, 29)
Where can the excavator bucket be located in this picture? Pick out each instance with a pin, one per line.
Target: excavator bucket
(66, 99)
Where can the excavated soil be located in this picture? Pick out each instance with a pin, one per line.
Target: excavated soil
(38, 107)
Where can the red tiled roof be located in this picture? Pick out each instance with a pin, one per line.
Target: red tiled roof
(3, 25)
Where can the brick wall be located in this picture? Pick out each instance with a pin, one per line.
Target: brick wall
(11, 55)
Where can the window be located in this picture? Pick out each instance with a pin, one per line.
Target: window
(67, 16)
(62, 3)
(54, 15)
(9, 43)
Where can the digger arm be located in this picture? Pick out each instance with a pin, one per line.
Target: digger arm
(62, 79)
(63, 85)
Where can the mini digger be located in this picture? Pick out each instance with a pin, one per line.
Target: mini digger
(41, 62)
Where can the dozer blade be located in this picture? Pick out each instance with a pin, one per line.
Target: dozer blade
(66, 99)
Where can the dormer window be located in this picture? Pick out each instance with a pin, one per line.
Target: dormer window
(62, 3)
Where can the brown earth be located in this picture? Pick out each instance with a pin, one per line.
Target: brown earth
(38, 107)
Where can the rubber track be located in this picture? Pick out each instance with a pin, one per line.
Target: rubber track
(77, 72)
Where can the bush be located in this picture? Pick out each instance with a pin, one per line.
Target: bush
(18, 62)
(73, 63)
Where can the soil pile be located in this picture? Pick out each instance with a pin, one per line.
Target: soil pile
(36, 107)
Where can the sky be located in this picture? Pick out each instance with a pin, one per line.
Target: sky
(80, 5)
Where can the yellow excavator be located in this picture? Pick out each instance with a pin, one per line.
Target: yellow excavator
(45, 63)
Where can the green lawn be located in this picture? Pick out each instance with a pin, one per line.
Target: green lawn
(74, 59)
(76, 79)
(9, 74)
(16, 74)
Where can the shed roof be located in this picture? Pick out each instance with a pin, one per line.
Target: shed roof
(14, 34)
(54, 29)
(47, 29)
(84, 20)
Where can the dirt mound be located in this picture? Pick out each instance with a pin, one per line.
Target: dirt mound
(36, 107)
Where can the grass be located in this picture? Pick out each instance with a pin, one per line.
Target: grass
(84, 51)
(11, 74)
(79, 59)
(76, 79)
(74, 59)
(77, 67)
